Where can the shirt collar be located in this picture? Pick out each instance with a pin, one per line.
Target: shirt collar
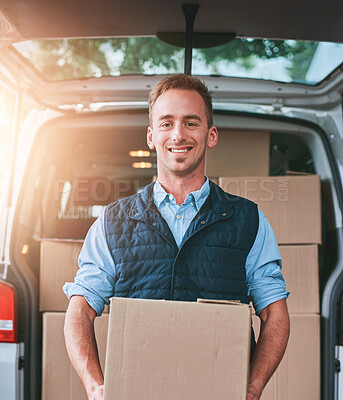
(197, 196)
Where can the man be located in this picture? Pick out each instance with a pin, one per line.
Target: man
(181, 238)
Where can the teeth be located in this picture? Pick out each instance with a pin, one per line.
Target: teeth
(178, 151)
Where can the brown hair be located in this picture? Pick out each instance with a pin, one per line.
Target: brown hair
(183, 82)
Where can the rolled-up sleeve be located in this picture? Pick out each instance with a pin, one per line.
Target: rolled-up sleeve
(263, 268)
(96, 275)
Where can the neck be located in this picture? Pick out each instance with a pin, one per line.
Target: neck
(180, 187)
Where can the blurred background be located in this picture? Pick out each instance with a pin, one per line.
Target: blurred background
(288, 61)
(7, 102)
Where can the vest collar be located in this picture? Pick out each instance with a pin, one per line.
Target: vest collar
(217, 207)
(218, 200)
(221, 202)
(144, 204)
(144, 209)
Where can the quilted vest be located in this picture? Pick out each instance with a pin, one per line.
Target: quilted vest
(210, 262)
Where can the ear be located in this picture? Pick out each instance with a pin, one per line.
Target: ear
(212, 138)
(149, 139)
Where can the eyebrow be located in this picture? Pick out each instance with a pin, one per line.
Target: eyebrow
(167, 116)
(192, 117)
(170, 116)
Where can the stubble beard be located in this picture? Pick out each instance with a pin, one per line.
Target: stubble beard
(191, 168)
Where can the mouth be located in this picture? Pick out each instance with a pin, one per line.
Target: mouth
(179, 150)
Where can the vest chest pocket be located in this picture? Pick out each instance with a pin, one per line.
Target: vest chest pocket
(220, 239)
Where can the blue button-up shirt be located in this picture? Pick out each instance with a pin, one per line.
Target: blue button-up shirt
(95, 277)
(178, 217)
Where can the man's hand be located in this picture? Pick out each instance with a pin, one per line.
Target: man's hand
(270, 347)
(98, 393)
(252, 394)
(81, 346)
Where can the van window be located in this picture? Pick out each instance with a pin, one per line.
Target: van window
(279, 60)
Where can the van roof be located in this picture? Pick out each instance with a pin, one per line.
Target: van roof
(301, 20)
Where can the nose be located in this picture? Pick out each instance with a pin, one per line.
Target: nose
(178, 134)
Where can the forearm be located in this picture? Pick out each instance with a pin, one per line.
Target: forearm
(270, 347)
(81, 344)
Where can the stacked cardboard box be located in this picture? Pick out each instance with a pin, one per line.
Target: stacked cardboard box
(59, 379)
(298, 375)
(157, 349)
(300, 270)
(59, 264)
(292, 206)
(290, 203)
(243, 153)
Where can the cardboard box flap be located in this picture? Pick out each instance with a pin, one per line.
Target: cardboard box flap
(231, 302)
(297, 173)
(58, 240)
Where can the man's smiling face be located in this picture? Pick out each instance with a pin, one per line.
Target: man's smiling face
(180, 133)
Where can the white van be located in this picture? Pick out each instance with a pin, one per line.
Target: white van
(81, 72)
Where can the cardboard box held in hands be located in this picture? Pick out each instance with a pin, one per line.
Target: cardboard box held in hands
(176, 350)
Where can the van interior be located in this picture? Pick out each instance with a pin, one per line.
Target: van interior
(81, 163)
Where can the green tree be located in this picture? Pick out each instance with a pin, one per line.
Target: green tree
(70, 58)
(74, 58)
(246, 48)
(301, 60)
(142, 53)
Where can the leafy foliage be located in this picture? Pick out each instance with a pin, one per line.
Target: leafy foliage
(301, 59)
(142, 53)
(74, 58)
